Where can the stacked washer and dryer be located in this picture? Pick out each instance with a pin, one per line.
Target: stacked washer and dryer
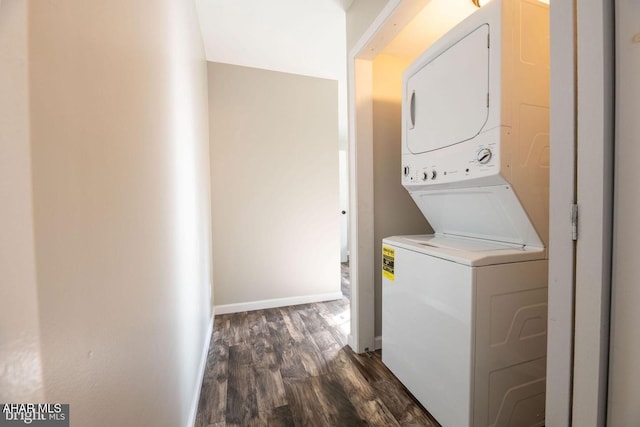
(464, 310)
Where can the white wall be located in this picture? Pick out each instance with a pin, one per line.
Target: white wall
(119, 146)
(274, 163)
(293, 36)
(20, 366)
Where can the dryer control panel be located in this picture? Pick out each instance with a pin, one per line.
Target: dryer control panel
(467, 161)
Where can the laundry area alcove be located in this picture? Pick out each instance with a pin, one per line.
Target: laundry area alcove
(486, 200)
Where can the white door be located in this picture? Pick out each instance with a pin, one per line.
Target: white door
(624, 370)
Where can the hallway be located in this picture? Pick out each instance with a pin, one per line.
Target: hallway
(289, 367)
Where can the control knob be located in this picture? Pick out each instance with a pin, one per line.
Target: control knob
(429, 175)
(483, 156)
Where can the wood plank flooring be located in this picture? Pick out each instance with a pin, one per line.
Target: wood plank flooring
(289, 367)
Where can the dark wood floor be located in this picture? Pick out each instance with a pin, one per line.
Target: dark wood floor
(289, 367)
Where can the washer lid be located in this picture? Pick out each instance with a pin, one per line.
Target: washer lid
(466, 251)
(491, 213)
(448, 97)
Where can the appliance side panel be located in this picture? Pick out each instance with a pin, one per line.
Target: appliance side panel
(510, 344)
(526, 153)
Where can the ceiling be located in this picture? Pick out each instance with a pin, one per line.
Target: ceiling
(305, 37)
(435, 19)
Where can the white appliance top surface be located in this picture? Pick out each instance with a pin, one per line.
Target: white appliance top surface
(465, 250)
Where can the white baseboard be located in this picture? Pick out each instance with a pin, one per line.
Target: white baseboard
(277, 302)
(377, 342)
(203, 365)
(351, 342)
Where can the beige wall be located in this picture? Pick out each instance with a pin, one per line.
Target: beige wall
(119, 157)
(274, 163)
(20, 369)
(395, 211)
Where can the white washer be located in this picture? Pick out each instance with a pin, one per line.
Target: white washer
(464, 328)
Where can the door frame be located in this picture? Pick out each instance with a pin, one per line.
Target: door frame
(595, 137)
(390, 21)
(562, 196)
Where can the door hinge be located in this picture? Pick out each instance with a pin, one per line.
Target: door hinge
(574, 221)
(487, 100)
(488, 41)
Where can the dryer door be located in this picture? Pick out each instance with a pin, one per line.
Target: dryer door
(447, 99)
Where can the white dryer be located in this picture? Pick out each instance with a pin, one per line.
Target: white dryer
(464, 309)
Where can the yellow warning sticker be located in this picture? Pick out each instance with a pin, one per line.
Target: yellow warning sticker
(388, 262)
